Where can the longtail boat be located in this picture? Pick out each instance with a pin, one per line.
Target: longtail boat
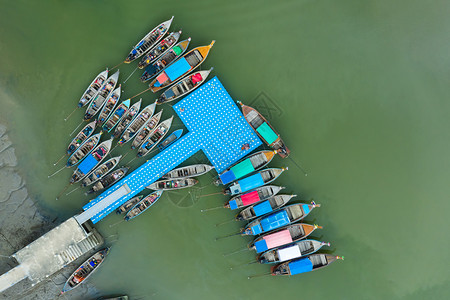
(306, 264)
(82, 136)
(264, 207)
(160, 49)
(127, 118)
(246, 166)
(129, 204)
(101, 171)
(282, 236)
(291, 251)
(264, 130)
(84, 149)
(93, 88)
(91, 161)
(116, 116)
(165, 60)
(110, 104)
(143, 205)
(108, 180)
(155, 137)
(143, 133)
(144, 116)
(148, 41)
(282, 217)
(183, 87)
(254, 181)
(188, 171)
(181, 67)
(252, 197)
(170, 139)
(173, 184)
(97, 103)
(85, 270)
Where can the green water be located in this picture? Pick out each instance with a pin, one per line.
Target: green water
(358, 89)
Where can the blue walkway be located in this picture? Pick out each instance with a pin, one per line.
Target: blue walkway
(216, 126)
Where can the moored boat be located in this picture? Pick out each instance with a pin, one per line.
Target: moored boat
(170, 139)
(264, 207)
(173, 184)
(116, 116)
(144, 116)
(264, 130)
(93, 88)
(84, 149)
(188, 171)
(110, 104)
(148, 41)
(127, 118)
(160, 49)
(165, 60)
(82, 136)
(252, 197)
(85, 270)
(181, 67)
(291, 251)
(306, 264)
(254, 181)
(143, 205)
(143, 133)
(279, 218)
(184, 86)
(129, 204)
(99, 100)
(108, 180)
(246, 166)
(101, 171)
(155, 137)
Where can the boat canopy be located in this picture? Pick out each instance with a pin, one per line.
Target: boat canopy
(161, 79)
(271, 222)
(306, 209)
(289, 253)
(177, 50)
(301, 265)
(251, 182)
(262, 208)
(241, 169)
(267, 133)
(273, 240)
(177, 69)
(196, 78)
(250, 198)
(87, 164)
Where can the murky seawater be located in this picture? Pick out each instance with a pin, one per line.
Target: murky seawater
(358, 89)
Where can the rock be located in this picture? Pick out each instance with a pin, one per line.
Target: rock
(10, 181)
(4, 142)
(8, 158)
(2, 129)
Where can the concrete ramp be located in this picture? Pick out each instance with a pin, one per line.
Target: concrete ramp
(12, 277)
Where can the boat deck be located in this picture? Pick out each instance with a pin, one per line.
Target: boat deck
(215, 125)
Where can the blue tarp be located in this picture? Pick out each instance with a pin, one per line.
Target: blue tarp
(262, 208)
(233, 204)
(261, 246)
(227, 177)
(251, 182)
(301, 265)
(305, 209)
(256, 229)
(87, 164)
(275, 221)
(177, 69)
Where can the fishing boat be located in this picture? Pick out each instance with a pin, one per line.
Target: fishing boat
(115, 117)
(143, 205)
(173, 184)
(165, 60)
(246, 166)
(84, 149)
(184, 86)
(291, 251)
(93, 88)
(306, 264)
(101, 171)
(181, 67)
(252, 197)
(261, 178)
(279, 218)
(127, 118)
(263, 208)
(85, 270)
(148, 41)
(160, 49)
(188, 171)
(91, 161)
(82, 136)
(129, 204)
(143, 133)
(155, 137)
(99, 100)
(282, 236)
(110, 104)
(108, 180)
(144, 116)
(264, 130)
(170, 139)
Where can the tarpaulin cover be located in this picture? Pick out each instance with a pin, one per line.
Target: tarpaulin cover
(301, 265)
(274, 240)
(177, 69)
(267, 133)
(87, 164)
(169, 93)
(233, 204)
(262, 208)
(251, 182)
(227, 177)
(261, 246)
(196, 78)
(243, 168)
(162, 78)
(120, 111)
(250, 198)
(289, 253)
(256, 229)
(305, 209)
(177, 50)
(275, 221)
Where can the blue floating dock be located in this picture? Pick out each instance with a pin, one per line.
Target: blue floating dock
(216, 126)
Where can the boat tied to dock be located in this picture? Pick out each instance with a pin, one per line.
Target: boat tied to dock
(252, 197)
(173, 184)
(143, 205)
(264, 207)
(188, 171)
(101, 171)
(108, 180)
(254, 181)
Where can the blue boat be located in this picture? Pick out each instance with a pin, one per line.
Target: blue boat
(254, 181)
(302, 265)
(295, 250)
(170, 139)
(143, 205)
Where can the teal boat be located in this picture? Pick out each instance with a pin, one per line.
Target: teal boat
(261, 178)
(116, 116)
(143, 205)
(302, 265)
(295, 250)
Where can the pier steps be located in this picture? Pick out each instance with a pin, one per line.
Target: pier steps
(79, 249)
